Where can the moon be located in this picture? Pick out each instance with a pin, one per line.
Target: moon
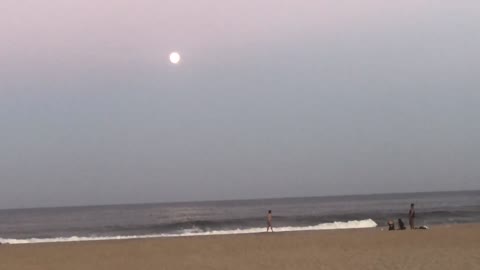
(174, 57)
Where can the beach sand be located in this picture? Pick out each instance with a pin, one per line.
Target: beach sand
(442, 247)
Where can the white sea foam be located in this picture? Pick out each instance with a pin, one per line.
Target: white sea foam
(355, 224)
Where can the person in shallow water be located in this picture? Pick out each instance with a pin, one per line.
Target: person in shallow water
(269, 220)
(411, 216)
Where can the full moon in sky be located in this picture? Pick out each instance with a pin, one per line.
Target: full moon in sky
(174, 57)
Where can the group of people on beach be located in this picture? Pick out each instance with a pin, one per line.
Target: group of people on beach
(401, 225)
(391, 223)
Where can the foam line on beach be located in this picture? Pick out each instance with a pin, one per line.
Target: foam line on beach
(354, 224)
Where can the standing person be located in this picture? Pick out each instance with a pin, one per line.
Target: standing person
(411, 216)
(269, 220)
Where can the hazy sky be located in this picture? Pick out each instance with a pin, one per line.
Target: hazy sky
(272, 98)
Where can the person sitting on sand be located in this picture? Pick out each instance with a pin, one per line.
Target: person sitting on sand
(411, 216)
(401, 225)
(391, 225)
(269, 220)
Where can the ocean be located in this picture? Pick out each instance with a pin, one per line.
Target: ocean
(85, 223)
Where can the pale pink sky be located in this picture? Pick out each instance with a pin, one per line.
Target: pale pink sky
(84, 32)
(272, 99)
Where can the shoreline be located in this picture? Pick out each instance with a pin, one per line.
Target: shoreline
(367, 223)
(78, 239)
(441, 247)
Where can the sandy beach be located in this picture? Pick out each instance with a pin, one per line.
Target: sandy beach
(442, 247)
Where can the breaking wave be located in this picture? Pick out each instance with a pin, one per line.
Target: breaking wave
(354, 224)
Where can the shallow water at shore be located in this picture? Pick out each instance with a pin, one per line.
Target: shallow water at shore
(232, 217)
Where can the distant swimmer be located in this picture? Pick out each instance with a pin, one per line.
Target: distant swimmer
(411, 216)
(269, 220)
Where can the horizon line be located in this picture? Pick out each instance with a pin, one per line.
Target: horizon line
(233, 200)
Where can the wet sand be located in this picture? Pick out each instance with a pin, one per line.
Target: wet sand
(441, 247)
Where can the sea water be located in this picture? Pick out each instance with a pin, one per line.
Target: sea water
(233, 217)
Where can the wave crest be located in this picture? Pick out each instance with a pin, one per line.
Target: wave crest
(354, 224)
